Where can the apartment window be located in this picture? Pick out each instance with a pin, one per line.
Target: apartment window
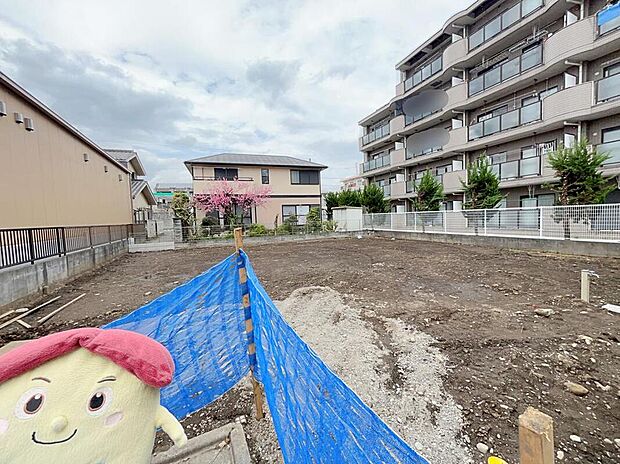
(493, 113)
(264, 176)
(550, 91)
(531, 57)
(611, 70)
(529, 152)
(226, 173)
(498, 158)
(611, 135)
(305, 177)
(529, 100)
(569, 140)
(443, 169)
(611, 144)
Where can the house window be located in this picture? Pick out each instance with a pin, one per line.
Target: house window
(305, 177)
(244, 216)
(264, 175)
(226, 173)
(299, 211)
(611, 70)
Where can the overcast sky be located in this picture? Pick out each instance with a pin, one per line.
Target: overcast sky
(178, 80)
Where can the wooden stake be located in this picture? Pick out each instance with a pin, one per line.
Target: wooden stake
(535, 437)
(249, 328)
(30, 311)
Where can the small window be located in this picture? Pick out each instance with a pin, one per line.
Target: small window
(305, 177)
(529, 152)
(612, 70)
(264, 175)
(611, 135)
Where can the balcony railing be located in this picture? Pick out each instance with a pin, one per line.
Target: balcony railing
(503, 22)
(426, 151)
(611, 148)
(509, 120)
(425, 73)
(608, 88)
(387, 190)
(516, 169)
(377, 163)
(410, 119)
(608, 19)
(412, 185)
(508, 70)
(377, 134)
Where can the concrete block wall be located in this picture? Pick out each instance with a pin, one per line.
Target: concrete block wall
(28, 280)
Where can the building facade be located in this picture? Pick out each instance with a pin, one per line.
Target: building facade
(295, 184)
(142, 197)
(511, 80)
(52, 174)
(164, 192)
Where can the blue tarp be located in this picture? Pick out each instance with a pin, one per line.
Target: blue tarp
(318, 419)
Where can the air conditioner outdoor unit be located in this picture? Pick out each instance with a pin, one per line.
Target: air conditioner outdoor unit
(28, 124)
(2, 109)
(19, 118)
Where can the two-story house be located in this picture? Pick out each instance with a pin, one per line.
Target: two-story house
(295, 184)
(507, 79)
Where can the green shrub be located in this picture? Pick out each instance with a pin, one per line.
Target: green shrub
(256, 230)
(313, 220)
(330, 226)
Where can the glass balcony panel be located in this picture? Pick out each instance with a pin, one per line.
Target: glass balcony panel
(475, 131)
(612, 149)
(426, 72)
(608, 88)
(491, 126)
(527, 6)
(510, 120)
(476, 85)
(493, 28)
(417, 78)
(511, 16)
(510, 68)
(531, 58)
(492, 77)
(410, 186)
(436, 66)
(530, 113)
(408, 83)
(611, 24)
(529, 166)
(495, 168)
(509, 170)
(476, 39)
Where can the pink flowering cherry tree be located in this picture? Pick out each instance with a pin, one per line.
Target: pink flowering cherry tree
(228, 197)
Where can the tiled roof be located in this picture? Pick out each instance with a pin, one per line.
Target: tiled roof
(246, 159)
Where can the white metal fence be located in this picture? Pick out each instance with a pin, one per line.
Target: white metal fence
(594, 223)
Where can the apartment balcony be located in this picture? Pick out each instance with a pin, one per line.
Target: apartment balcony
(397, 190)
(452, 181)
(608, 89)
(423, 74)
(377, 163)
(384, 163)
(454, 53)
(515, 118)
(378, 133)
(608, 19)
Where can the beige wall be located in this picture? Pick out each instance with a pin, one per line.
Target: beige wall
(282, 191)
(141, 202)
(44, 180)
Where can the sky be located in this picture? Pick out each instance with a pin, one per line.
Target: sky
(177, 80)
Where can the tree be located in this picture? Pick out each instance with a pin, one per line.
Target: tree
(313, 220)
(182, 208)
(349, 198)
(373, 199)
(430, 194)
(331, 202)
(232, 199)
(482, 186)
(581, 180)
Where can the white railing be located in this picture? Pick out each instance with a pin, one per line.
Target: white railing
(594, 223)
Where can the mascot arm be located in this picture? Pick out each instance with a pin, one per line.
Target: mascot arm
(171, 426)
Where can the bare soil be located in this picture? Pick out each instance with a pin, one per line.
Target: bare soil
(477, 303)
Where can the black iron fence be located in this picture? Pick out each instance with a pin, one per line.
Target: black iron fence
(19, 246)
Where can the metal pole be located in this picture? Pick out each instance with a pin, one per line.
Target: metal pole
(31, 245)
(445, 221)
(485, 222)
(540, 221)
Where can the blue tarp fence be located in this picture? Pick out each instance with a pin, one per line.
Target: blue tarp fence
(317, 418)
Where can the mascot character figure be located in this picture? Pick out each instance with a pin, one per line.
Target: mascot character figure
(84, 396)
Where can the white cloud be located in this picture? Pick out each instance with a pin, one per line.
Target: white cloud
(177, 81)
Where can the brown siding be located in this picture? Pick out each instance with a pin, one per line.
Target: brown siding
(44, 180)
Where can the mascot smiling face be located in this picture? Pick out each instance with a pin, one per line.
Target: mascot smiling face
(85, 396)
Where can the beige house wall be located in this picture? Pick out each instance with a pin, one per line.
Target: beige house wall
(44, 180)
(141, 202)
(282, 191)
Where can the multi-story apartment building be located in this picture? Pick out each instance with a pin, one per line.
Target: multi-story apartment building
(506, 79)
(51, 174)
(295, 184)
(165, 192)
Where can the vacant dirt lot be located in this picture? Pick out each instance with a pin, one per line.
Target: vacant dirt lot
(478, 303)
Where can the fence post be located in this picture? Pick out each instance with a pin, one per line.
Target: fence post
(64, 240)
(415, 221)
(249, 325)
(485, 222)
(31, 245)
(540, 221)
(535, 437)
(109, 234)
(445, 221)
(90, 236)
(58, 241)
